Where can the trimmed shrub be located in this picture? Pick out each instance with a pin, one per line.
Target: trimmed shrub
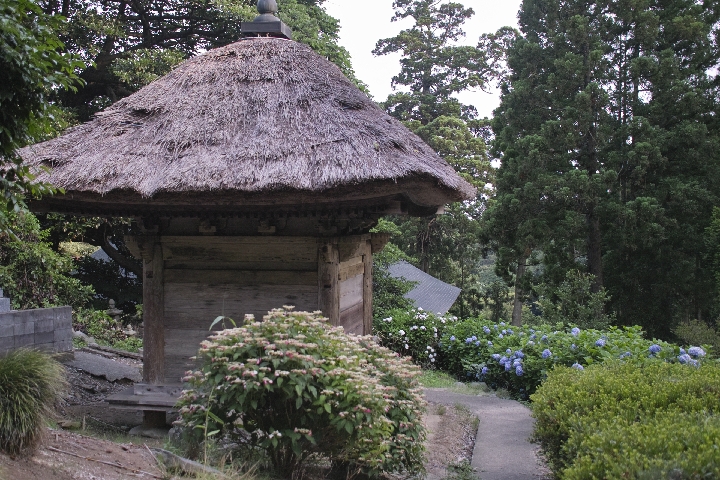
(614, 405)
(297, 388)
(31, 383)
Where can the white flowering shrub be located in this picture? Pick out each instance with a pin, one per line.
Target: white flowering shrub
(414, 333)
(630, 420)
(299, 388)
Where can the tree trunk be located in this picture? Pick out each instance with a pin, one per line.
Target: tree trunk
(517, 302)
(594, 252)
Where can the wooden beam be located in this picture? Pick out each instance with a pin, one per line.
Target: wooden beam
(153, 314)
(328, 281)
(368, 288)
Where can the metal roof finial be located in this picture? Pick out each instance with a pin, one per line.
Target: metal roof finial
(267, 24)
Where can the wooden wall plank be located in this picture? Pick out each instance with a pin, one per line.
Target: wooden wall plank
(241, 277)
(240, 249)
(224, 264)
(352, 320)
(351, 267)
(367, 288)
(328, 276)
(195, 305)
(351, 292)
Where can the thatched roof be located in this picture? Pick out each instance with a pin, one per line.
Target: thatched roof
(263, 121)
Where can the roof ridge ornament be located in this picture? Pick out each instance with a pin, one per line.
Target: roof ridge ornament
(267, 24)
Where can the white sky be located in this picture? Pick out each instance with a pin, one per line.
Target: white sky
(364, 22)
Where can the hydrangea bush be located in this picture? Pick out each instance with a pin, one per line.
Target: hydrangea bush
(665, 415)
(299, 388)
(519, 358)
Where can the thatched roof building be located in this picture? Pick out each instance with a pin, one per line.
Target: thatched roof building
(255, 173)
(264, 121)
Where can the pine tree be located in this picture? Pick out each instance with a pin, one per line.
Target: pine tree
(608, 139)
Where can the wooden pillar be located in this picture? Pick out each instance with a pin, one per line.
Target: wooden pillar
(154, 324)
(367, 288)
(328, 280)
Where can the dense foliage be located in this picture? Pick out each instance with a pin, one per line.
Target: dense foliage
(32, 274)
(517, 358)
(626, 420)
(30, 384)
(609, 143)
(30, 66)
(297, 388)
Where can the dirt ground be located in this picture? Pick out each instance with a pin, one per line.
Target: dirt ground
(104, 452)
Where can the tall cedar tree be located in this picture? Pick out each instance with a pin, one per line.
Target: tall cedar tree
(433, 69)
(609, 140)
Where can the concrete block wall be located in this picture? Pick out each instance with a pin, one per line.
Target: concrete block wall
(48, 329)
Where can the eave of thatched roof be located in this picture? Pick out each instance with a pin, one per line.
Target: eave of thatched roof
(263, 121)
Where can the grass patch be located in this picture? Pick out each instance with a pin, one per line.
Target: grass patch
(31, 383)
(440, 379)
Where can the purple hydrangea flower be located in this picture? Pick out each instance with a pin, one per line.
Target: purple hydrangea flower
(490, 344)
(519, 354)
(519, 370)
(508, 351)
(575, 331)
(544, 338)
(477, 344)
(600, 342)
(452, 339)
(500, 336)
(684, 358)
(510, 331)
(504, 332)
(484, 371)
(496, 356)
(577, 366)
(573, 347)
(486, 330)
(502, 324)
(533, 336)
(694, 362)
(508, 367)
(626, 354)
(654, 348)
(468, 340)
(696, 351)
(682, 351)
(474, 338)
(546, 353)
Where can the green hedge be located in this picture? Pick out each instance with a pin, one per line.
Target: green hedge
(624, 420)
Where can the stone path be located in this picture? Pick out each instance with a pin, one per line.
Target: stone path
(502, 447)
(104, 367)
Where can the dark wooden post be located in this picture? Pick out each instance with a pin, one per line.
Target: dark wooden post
(154, 323)
(367, 288)
(328, 280)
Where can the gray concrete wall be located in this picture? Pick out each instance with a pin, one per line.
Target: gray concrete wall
(48, 329)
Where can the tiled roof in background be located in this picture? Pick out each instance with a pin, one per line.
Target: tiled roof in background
(429, 293)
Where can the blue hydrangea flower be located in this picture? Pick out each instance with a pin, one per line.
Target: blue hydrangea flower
(577, 366)
(503, 359)
(544, 338)
(502, 324)
(600, 342)
(519, 370)
(477, 344)
(531, 343)
(468, 340)
(508, 367)
(696, 351)
(504, 332)
(682, 351)
(575, 331)
(484, 371)
(500, 336)
(474, 338)
(684, 358)
(532, 330)
(490, 344)
(517, 362)
(694, 362)
(546, 353)
(654, 348)
(519, 354)
(510, 331)
(508, 351)
(452, 339)
(626, 354)
(533, 336)
(496, 356)
(486, 330)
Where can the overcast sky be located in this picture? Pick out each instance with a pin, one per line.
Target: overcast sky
(364, 22)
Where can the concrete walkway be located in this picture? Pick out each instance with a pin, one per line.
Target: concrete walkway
(502, 447)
